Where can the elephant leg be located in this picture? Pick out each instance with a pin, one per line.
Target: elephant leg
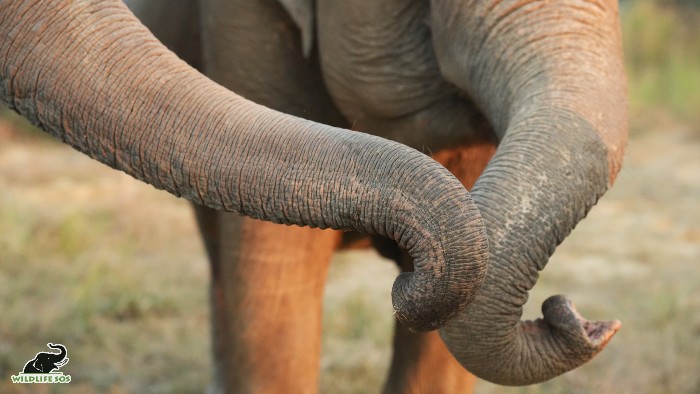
(421, 362)
(266, 297)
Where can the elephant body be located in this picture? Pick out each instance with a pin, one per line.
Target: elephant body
(522, 102)
(45, 362)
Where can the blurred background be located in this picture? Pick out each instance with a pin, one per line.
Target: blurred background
(115, 270)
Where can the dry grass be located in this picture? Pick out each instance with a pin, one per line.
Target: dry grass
(89, 258)
(663, 56)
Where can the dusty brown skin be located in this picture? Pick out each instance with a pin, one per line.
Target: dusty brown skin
(543, 80)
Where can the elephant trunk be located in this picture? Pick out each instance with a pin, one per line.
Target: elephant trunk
(539, 209)
(549, 76)
(61, 354)
(90, 74)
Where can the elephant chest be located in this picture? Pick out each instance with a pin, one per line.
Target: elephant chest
(376, 61)
(380, 68)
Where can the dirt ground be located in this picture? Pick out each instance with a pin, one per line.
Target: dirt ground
(115, 270)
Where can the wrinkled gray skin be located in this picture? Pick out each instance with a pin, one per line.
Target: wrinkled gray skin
(93, 76)
(546, 75)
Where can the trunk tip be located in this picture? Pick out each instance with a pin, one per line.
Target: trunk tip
(560, 313)
(601, 332)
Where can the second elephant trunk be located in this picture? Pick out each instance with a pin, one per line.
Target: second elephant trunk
(550, 78)
(525, 222)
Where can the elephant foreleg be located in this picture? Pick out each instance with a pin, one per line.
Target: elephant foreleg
(267, 293)
(421, 363)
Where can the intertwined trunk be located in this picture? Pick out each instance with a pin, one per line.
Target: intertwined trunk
(549, 76)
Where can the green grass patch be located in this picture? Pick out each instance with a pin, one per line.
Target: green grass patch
(662, 53)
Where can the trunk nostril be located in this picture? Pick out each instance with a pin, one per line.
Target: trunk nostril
(601, 332)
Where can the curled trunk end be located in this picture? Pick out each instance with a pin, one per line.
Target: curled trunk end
(540, 208)
(550, 78)
(534, 351)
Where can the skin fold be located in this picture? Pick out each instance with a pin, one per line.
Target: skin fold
(524, 102)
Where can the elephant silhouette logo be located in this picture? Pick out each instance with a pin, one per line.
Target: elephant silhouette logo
(45, 362)
(43, 368)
